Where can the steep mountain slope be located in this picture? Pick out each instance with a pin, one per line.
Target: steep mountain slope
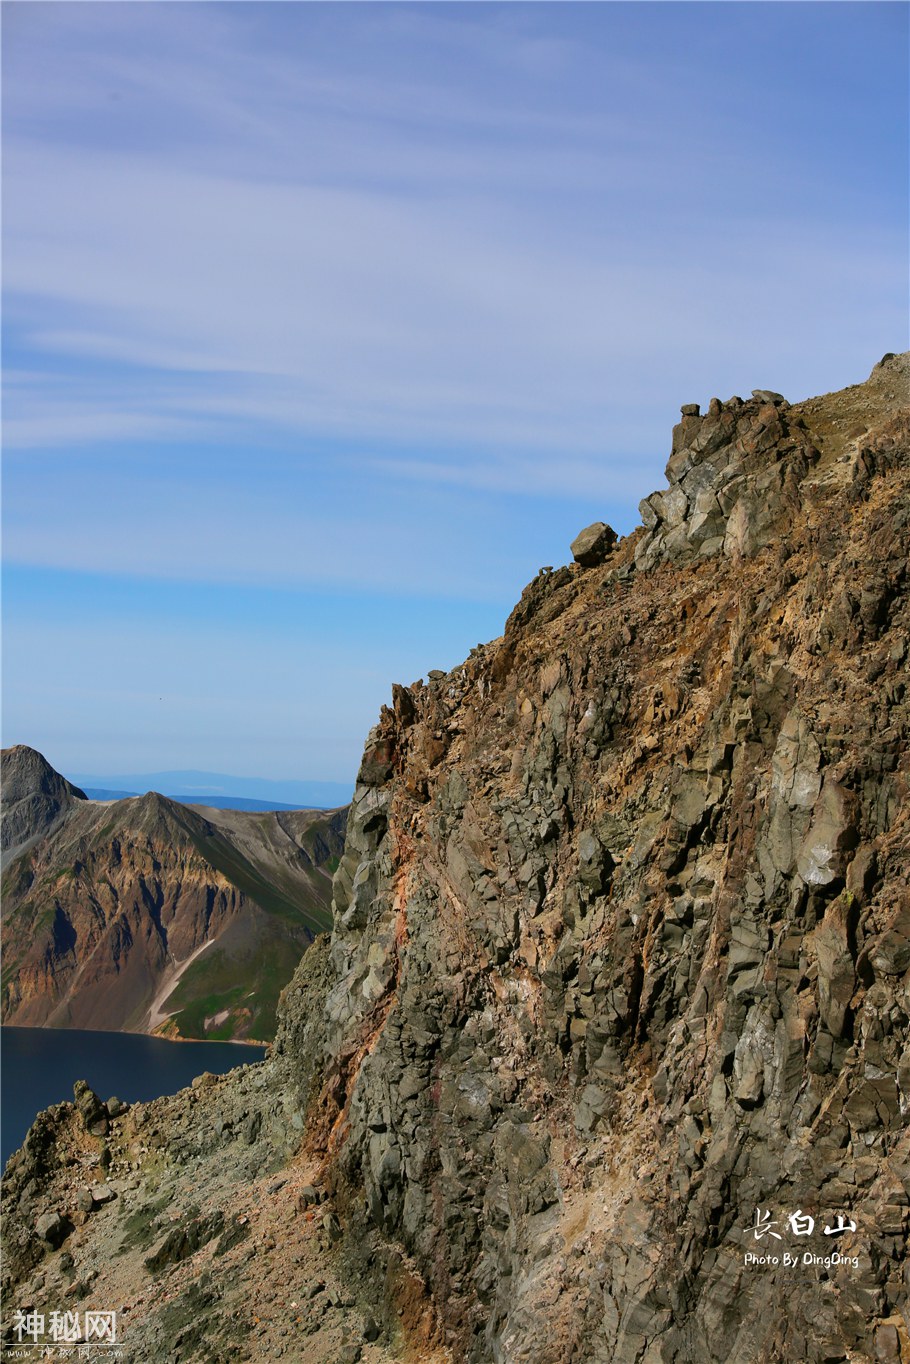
(607, 1057)
(623, 928)
(145, 914)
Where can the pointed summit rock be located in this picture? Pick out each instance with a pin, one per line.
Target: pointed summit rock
(35, 797)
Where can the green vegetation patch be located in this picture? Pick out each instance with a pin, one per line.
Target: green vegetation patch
(10, 969)
(18, 876)
(246, 982)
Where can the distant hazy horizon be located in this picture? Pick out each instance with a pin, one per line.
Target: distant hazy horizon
(325, 326)
(187, 784)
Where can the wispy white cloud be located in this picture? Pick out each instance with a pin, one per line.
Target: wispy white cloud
(350, 311)
(173, 526)
(494, 273)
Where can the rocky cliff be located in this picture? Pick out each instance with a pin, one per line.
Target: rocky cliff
(147, 915)
(606, 1059)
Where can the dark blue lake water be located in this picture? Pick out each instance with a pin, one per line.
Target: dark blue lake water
(41, 1065)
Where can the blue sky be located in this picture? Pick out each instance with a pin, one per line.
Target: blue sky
(326, 325)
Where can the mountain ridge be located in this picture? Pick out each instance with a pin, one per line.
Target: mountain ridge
(35, 798)
(617, 994)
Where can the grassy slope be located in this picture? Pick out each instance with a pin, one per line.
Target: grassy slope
(247, 987)
(245, 974)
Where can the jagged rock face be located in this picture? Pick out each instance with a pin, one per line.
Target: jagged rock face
(620, 962)
(127, 915)
(622, 930)
(34, 797)
(734, 476)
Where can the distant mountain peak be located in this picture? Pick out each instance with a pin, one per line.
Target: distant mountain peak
(26, 772)
(35, 796)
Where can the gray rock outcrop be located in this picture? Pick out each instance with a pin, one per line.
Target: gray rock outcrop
(592, 545)
(734, 477)
(622, 933)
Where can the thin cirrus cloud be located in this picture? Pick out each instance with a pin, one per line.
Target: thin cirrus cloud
(354, 312)
(493, 273)
(195, 682)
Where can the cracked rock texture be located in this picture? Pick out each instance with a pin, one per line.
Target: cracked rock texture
(620, 966)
